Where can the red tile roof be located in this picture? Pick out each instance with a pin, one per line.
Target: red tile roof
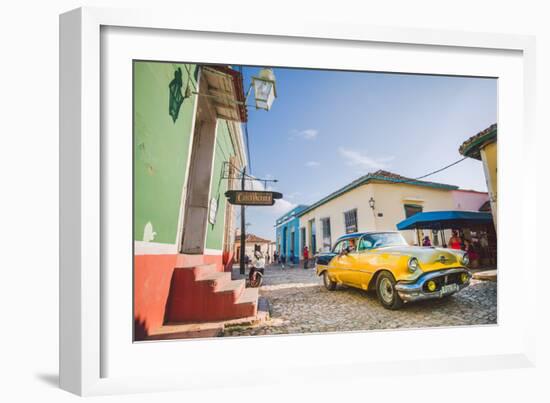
(251, 238)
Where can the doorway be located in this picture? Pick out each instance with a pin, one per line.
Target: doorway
(199, 178)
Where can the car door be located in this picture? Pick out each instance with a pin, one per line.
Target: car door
(345, 264)
(365, 259)
(349, 266)
(335, 266)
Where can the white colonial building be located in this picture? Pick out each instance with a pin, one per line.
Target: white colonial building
(377, 202)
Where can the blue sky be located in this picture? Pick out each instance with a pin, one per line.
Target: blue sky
(327, 128)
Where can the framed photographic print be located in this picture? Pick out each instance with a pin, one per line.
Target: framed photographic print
(298, 192)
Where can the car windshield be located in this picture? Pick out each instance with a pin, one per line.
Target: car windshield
(372, 241)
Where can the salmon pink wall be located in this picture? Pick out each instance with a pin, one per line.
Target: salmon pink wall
(152, 278)
(465, 200)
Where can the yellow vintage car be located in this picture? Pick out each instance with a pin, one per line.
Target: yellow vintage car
(400, 273)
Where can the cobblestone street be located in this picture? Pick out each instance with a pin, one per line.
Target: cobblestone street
(299, 303)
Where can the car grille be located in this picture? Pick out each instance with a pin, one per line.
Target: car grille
(440, 281)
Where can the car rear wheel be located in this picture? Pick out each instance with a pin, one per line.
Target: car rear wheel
(386, 292)
(329, 284)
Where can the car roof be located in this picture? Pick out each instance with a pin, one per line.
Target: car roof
(360, 234)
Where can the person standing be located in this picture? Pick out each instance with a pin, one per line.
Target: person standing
(455, 242)
(426, 241)
(306, 257)
(472, 254)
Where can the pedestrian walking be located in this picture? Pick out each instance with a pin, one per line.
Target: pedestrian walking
(306, 257)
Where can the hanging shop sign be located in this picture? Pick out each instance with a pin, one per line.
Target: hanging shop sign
(252, 197)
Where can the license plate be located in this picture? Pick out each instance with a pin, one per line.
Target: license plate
(449, 288)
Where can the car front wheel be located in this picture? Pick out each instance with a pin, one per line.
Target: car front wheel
(329, 284)
(386, 292)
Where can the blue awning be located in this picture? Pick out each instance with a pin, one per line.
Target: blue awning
(445, 220)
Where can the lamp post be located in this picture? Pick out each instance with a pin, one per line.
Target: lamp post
(264, 95)
(243, 228)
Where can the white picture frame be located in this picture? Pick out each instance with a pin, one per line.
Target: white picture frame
(85, 343)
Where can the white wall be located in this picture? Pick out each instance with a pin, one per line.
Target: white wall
(390, 200)
(355, 199)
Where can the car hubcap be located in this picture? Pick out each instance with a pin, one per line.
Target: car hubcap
(386, 290)
(327, 280)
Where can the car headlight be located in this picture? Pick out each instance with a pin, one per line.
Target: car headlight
(413, 264)
(465, 259)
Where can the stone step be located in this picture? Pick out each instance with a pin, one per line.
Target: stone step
(201, 293)
(186, 331)
(217, 279)
(199, 270)
(248, 296)
(189, 330)
(486, 275)
(236, 287)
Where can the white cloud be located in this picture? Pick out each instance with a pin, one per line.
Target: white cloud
(362, 161)
(312, 164)
(282, 206)
(307, 134)
(293, 195)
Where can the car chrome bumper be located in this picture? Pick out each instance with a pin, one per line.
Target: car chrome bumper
(414, 291)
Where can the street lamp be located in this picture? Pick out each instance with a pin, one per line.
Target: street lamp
(371, 203)
(264, 89)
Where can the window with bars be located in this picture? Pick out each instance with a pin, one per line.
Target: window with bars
(412, 209)
(350, 219)
(325, 224)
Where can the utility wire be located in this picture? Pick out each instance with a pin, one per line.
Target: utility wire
(441, 169)
(413, 180)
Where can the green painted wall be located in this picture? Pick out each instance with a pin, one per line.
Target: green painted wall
(161, 148)
(218, 187)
